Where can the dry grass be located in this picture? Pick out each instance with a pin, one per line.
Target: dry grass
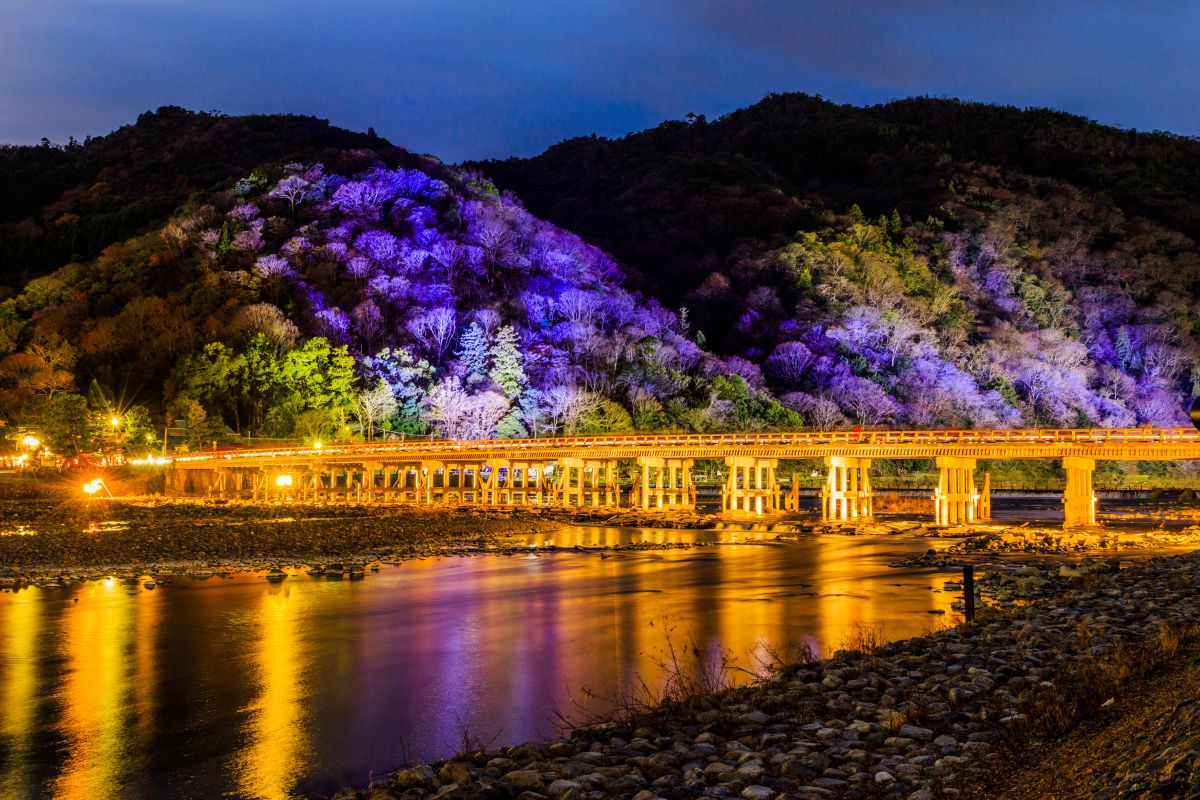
(1083, 685)
(893, 503)
(863, 639)
(693, 677)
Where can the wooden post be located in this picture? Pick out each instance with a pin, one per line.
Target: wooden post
(969, 591)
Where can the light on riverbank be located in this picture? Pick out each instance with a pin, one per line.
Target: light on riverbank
(283, 480)
(93, 487)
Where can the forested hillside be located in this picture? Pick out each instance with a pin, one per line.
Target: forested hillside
(925, 262)
(66, 203)
(357, 299)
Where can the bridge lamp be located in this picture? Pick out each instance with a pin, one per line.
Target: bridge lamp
(283, 480)
(316, 445)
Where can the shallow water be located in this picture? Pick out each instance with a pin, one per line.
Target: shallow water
(242, 687)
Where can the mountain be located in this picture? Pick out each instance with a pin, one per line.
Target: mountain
(62, 204)
(375, 292)
(923, 262)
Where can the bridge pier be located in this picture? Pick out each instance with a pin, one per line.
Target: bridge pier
(665, 483)
(523, 485)
(586, 482)
(955, 499)
(847, 492)
(1079, 498)
(750, 487)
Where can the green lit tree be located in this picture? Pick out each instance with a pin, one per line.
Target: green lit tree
(507, 370)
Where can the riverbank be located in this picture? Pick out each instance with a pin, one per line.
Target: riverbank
(79, 540)
(920, 719)
(48, 538)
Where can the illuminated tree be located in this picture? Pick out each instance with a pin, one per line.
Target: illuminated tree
(507, 370)
(372, 407)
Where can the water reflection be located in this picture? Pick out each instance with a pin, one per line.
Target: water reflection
(277, 744)
(18, 691)
(96, 638)
(249, 689)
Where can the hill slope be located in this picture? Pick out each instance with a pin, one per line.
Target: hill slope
(67, 203)
(352, 299)
(936, 262)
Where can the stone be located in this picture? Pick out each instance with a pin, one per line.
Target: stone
(915, 732)
(560, 786)
(718, 768)
(756, 792)
(454, 772)
(416, 777)
(525, 779)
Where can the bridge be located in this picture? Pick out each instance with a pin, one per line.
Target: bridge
(581, 471)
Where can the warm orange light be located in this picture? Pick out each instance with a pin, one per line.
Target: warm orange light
(31, 442)
(283, 480)
(316, 445)
(116, 421)
(91, 487)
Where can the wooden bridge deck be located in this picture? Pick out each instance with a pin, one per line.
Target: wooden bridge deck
(1143, 444)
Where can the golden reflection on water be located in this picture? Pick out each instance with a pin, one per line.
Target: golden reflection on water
(275, 755)
(294, 680)
(96, 638)
(18, 691)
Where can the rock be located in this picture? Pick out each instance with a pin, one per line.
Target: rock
(415, 777)
(524, 780)
(915, 732)
(454, 772)
(560, 786)
(756, 792)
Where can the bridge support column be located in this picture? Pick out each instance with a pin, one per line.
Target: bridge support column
(527, 478)
(955, 500)
(492, 488)
(369, 480)
(665, 482)
(1079, 499)
(984, 506)
(791, 500)
(425, 479)
(571, 482)
(750, 487)
(847, 492)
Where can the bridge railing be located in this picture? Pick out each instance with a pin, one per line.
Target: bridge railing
(851, 438)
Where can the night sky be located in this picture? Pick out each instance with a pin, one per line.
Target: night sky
(490, 79)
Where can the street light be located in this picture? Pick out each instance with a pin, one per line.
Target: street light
(116, 422)
(31, 442)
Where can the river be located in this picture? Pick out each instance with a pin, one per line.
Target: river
(241, 687)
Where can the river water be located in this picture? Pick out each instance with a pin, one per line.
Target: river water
(241, 687)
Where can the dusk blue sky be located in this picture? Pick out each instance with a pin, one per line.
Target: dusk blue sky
(488, 79)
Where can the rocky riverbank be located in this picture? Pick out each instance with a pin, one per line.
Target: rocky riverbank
(917, 719)
(57, 542)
